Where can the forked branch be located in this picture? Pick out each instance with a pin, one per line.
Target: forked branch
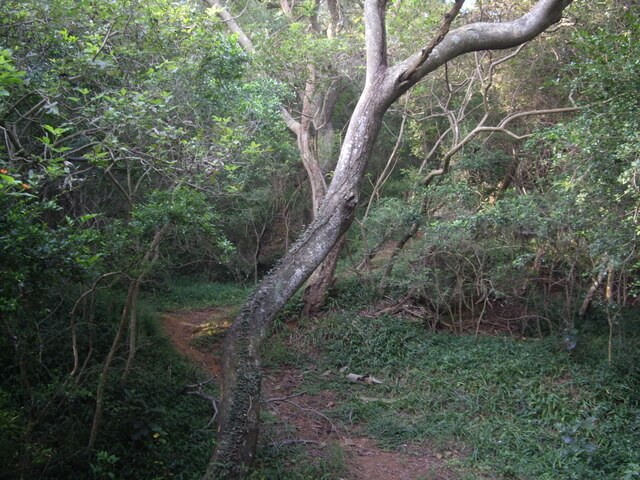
(423, 55)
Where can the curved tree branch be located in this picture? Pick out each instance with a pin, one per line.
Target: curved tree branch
(445, 25)
(479, 36)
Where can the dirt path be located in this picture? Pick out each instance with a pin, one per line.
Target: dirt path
(183, 329)
(302, 418)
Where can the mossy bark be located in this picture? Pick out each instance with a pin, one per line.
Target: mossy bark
(317, 289)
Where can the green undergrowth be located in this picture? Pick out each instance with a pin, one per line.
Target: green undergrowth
(492, 407)
(185, 294)
(151, 427)
(294, 462)
(524, 409)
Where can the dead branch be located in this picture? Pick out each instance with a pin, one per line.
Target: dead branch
(74, 339)
(445, 25)
(280, 399)
(311, 410)
(199, 385)
(212, 399)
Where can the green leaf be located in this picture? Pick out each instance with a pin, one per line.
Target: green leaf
(9, 179)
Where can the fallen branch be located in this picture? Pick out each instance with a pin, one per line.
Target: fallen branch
(198, 385)
(373, 399)
(307, 409)
(214, 404)
(280, 399)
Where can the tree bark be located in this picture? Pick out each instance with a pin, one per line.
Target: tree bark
(244, 41)
(317, 289)
(239, 412)
(314, 134)
(593, 289)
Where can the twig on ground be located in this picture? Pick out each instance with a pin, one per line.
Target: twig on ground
(307, 409)
(199, 385)
(280, 399)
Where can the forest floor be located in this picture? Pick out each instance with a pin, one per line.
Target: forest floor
(303, 417)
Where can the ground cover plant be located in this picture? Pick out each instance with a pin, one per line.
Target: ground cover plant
(490, 406)
(151, 429)
(189, 294)
(495, 406)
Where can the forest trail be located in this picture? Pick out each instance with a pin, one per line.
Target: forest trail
(303, 418)
(184, 327)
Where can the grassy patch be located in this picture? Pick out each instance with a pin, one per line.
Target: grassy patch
(517, 409)
(185, 294)
(494, 407)
(295, 463)
(289, 347)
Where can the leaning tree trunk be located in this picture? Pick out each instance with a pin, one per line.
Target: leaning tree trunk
(318, 285)
(314, 133)
(240, 402)
(317, 290)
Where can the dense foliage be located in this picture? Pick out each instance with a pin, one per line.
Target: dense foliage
(109, 179)
(525, 218)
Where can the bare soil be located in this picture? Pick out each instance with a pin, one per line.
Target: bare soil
(303, 418)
